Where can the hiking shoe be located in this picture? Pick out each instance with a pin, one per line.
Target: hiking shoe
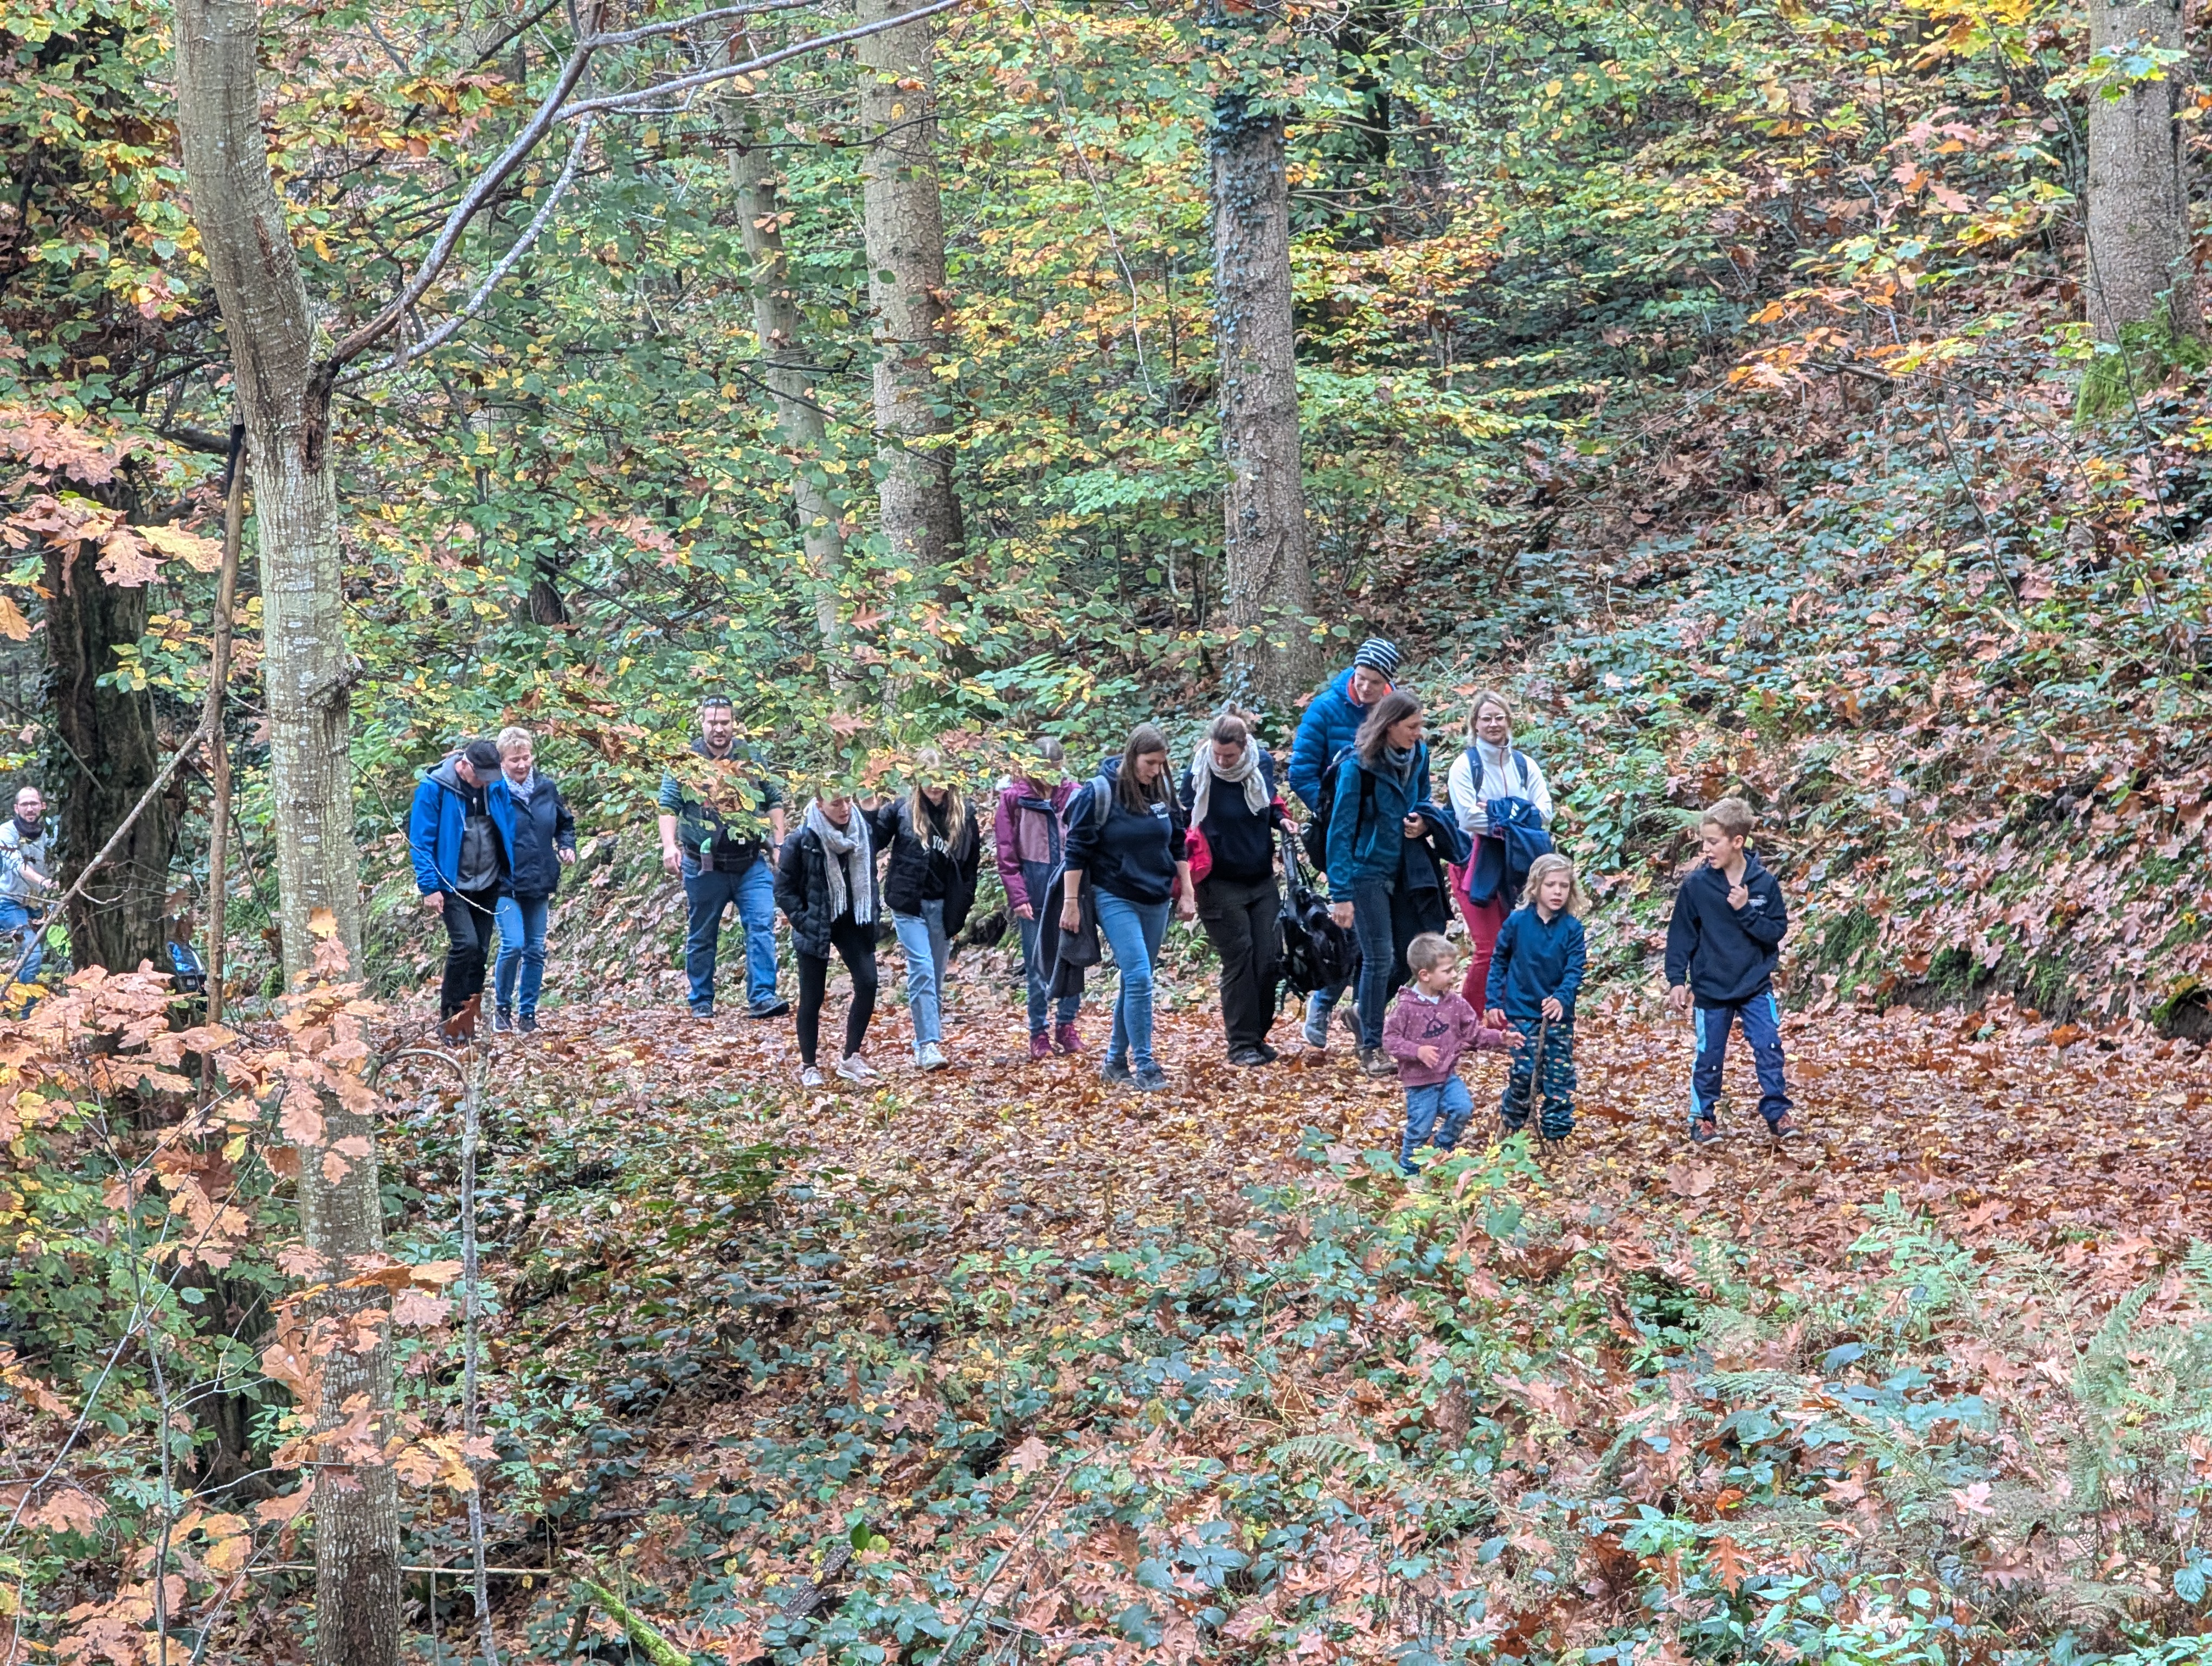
(1116, 1071)
(1148, 1078)
(1317, 1035)
(1248, 1058)
(705, 1012)
(503, 1023)
(1040, 1046)
(527, 1023)
(1268, 1055)
(1703, 1131)
(774, 1008)
(810, 1077)
(1784, 1127)
(1408, 1169)
(854, 1068)
(930, 1056)
(1376, 1062)
(1067, 1040)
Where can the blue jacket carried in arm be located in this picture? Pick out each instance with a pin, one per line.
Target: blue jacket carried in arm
(1534, 960)
(1366, 821)
(1328, 726)
(1727, 956)
(433, 827)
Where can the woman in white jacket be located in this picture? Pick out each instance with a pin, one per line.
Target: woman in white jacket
(1489, 769)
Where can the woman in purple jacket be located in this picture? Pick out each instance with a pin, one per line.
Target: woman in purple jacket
(1031, 828)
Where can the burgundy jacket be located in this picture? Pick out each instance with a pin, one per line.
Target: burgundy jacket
(1022, 836)
(1450, 1025)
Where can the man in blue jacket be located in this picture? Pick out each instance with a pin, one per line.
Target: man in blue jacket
(1325, 735)
(460, 838)
(1723, 944)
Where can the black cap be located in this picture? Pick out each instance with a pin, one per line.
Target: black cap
(483, 756)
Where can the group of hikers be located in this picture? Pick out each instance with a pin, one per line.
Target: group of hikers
(1095, 866)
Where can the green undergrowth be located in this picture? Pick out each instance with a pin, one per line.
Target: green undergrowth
(1482, 1418)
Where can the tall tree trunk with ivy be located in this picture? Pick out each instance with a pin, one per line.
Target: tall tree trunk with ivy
(283, 398)
(793, 378)
(1267, 540)
(904, 230)
(2142, 283)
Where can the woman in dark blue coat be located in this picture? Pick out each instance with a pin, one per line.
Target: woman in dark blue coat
(544, 841)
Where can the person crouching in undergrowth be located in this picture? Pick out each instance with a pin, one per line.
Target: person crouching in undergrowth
(1536, 971)
(543, 842)
(1427, 1031)
(930, 885)
(826, 887)
(1125, 834)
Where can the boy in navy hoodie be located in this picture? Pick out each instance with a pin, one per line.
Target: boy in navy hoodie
(1721, 946)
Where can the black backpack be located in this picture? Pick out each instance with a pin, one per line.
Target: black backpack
(1317, 952)
(1316, 836)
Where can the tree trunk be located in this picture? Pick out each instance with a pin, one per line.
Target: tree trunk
(2140, 269)
(1269, 580)
(116, 752)
(904, 223)
(792, 379)
(284, 402)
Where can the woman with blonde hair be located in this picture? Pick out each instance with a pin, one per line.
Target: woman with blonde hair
(544, 843)
(929, 887)
(1491, 768)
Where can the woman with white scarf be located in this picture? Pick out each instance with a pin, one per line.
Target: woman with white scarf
(1490, 769)
(1228, 795)
(827, 889)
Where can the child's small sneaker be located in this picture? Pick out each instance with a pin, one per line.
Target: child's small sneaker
(1408, 1169)
(1115, 1072)
(1784, 1127)
(810, 1077)
(1067, 1040)
(1703, 1131)
(854, 1068)
(1040, 1046)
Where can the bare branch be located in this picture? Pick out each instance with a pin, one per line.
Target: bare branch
(506, 264)
(646, 95)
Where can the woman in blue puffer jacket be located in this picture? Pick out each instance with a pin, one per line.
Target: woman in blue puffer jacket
(544, 843)
(1388, 885)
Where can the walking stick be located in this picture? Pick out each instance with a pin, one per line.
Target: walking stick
(1536, 1068)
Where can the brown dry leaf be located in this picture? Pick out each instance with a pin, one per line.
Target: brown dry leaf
(203, 554)
(1691, 1180)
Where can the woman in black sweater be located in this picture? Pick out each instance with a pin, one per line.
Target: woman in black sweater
(1229, 797)
(826, 887)
(1125, 834)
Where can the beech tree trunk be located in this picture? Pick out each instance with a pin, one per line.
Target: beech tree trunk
(284, 402)
(792, 378)
(903, 221)
(1266, 541)
(115, 753)
(2138, 241)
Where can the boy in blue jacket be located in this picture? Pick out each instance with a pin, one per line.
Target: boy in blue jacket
(1721, 946)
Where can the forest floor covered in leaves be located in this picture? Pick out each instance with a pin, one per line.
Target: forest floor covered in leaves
(1000, 1363)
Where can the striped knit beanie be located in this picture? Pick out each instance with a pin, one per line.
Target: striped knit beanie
(1379, 656)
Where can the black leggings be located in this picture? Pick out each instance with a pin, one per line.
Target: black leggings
(856, 946)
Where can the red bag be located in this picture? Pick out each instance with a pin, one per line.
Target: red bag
(1201, 853)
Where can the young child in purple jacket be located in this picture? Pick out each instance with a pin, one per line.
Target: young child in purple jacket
(1427, 1031)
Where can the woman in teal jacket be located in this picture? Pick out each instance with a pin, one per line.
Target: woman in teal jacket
(1385, 884)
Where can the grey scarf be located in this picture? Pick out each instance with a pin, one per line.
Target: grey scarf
(1203, 771)
(1400, 760)
(851, 865)
(519, 791)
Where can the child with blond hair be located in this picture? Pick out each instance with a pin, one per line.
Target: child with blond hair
(1535, 972)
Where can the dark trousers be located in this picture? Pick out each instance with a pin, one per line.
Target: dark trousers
(468, 915)
(1243, 920)
(856, 946)
(1386, 921)
(1544, 1085)
(1761, 1017)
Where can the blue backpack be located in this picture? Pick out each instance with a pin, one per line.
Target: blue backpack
(1516, 838)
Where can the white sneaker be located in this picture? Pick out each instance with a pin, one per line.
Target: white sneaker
(810, 1076)
(854, 1068)
(930, 1056)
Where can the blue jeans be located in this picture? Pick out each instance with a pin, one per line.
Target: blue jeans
(25, 939)
(922, 941)
(1447, 1100)
(1034, 876)
(1761, 1017)
(708, 894)
(1133, 931)
(521, 950)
